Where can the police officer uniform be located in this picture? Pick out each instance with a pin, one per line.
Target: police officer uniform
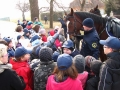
(90, 44)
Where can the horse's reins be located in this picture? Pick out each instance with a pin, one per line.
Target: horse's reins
(75, 27)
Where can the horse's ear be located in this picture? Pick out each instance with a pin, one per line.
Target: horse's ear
(96, 7)
(72, 12)
(65, 12)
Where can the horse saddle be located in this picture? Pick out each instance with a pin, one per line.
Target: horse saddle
(113, 27)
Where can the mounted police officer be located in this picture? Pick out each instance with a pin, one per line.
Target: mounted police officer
(90, 44)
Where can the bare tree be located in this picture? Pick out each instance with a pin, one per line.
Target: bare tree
(34, 9)
(23, 7)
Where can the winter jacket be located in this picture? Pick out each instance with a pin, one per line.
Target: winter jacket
(41, 75)
(110, 73)
(68, 84)
(44, 38)
(90, 44)
(83, 78)
(23, 70)
(9, 80)
(92, 83)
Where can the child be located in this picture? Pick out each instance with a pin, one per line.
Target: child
(43, 35)
(92, 83)
(44, 70)
(22, 68)
(68, 48)
(11, 50)
(79, 62)
(65, 75)
(35, 40)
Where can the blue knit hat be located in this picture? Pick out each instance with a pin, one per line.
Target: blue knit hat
(34, 38)
(64, 61)
(88, 22)
(20, 51)
(8, 40)
(111, 42)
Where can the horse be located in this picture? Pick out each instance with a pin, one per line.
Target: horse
(75, 25)
(95, 10)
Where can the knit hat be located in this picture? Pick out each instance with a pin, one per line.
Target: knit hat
(95, 66)
(88, 22)
(89, 59)
(111, 42)
(34, 38)
(79, 62)
(8, 40)
(20, 51)
(42, 31)
(55, 56)
(64, 61)
(45, 54)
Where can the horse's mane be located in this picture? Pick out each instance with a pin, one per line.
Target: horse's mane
(96, 18)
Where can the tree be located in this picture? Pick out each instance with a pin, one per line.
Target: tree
(112, 5)
(23, 7)
(34, 9)
(51, 13)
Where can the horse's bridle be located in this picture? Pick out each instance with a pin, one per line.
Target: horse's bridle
(75, 27)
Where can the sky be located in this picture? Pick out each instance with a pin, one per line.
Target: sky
(9, 9)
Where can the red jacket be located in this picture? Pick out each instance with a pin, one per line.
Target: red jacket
(23, 69)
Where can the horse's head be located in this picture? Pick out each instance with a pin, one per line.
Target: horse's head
(74, 24)
(95, 11)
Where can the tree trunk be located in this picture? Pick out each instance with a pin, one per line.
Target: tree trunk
(82, 5)
(51, 13)
(23, 15)
(34, 9)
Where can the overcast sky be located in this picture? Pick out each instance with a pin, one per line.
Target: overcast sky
(9, 10)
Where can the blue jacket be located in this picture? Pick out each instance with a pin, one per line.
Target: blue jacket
(90, 44)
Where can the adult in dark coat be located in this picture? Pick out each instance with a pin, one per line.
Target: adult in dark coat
(110, 69)
(64, 27)
(9, 80)
(90, 44)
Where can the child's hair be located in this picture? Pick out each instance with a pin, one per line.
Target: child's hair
(71, 72)
(19, 28)
(3, 42)
(65, 67)
(36, 28)
(18, 58)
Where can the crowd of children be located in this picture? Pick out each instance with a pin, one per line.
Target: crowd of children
(45, 62)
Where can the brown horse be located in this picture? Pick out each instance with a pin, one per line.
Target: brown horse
(95, 11)
(75, 25)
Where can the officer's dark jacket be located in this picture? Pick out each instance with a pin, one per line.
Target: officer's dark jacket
(110, 73)
(90, 44)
